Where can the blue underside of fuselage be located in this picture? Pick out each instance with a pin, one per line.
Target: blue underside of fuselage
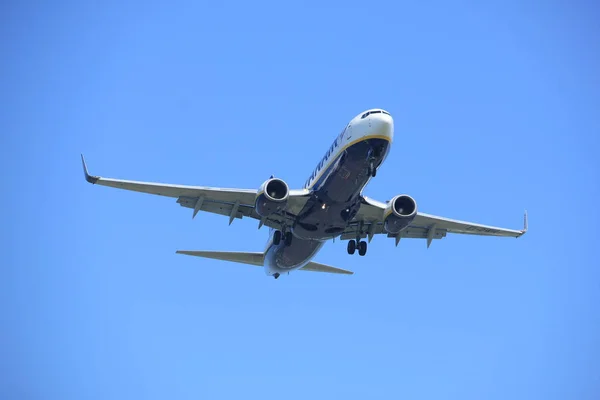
(334, 202)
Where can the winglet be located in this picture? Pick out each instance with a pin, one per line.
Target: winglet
(525, 226)
(91, 179)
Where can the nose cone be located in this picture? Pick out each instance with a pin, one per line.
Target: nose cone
(374, 122)
(382, 124)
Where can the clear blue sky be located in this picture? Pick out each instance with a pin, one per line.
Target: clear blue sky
(496, 110)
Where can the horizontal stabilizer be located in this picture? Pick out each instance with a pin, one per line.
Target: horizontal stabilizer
(235, 256)
(317, 267)
(256, 258)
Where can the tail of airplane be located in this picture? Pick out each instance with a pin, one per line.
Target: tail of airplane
(258, 259)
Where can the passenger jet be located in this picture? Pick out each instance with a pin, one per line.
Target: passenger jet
(330, 205)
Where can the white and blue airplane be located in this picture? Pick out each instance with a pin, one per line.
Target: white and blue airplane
(331, 204)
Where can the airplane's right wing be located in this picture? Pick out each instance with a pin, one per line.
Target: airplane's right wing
(233, 203)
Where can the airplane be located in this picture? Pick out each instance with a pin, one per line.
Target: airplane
(330, 205)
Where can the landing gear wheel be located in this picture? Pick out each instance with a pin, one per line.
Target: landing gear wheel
(276, 275)
(372, 169)
(288, 238)
(362, 248)
(351, 246)
(276, 238)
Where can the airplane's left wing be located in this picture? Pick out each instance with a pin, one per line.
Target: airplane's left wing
(234, 203)
(369, 222)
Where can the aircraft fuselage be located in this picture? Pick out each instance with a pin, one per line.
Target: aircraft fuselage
(336, 185)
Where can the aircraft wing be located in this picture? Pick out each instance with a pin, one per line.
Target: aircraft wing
(369, 222)
(234, 203)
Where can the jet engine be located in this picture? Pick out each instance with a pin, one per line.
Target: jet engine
(399, 213)
(272, 197)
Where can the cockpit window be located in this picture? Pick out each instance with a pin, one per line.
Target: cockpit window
(365, 115)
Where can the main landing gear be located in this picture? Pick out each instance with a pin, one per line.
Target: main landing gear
(287, 238)
(361, 246)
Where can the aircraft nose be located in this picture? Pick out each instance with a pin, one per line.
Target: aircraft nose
(382, 124)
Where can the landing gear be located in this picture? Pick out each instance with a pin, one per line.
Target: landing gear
(373, 155)
(351, 246)
(361, 246)
(372, 169)
(287, 238)
(276, 238)
(276, 275)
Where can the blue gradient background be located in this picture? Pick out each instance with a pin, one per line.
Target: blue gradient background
(496, 110)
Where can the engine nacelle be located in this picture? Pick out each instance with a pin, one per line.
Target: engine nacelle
(272, 197)
(399, 213)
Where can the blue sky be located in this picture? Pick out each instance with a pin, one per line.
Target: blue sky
(496, 111)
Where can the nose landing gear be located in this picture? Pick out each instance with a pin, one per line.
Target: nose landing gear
(372, 169)
(374, 155)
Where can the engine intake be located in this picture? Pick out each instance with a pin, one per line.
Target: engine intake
(399, 213)
(272, 197)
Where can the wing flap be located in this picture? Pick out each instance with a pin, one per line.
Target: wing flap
(412, 232)
(275, 221)
(221, 208)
